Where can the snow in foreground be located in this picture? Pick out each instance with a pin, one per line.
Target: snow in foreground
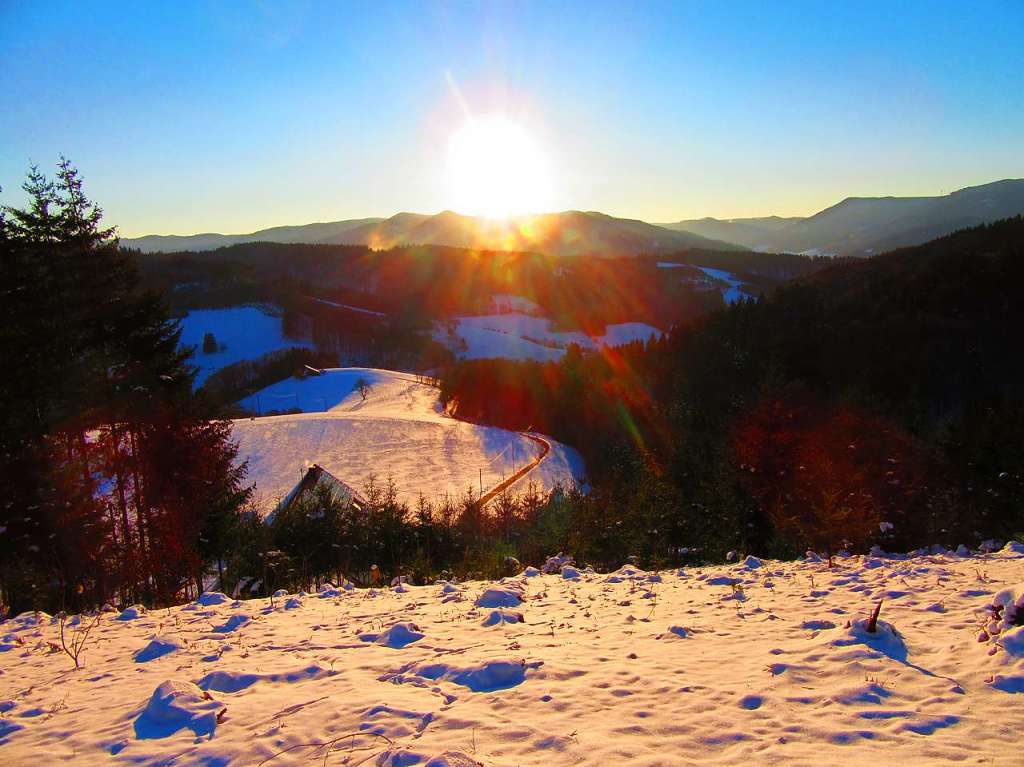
(247, 332)
(398, 430)
(762, 662)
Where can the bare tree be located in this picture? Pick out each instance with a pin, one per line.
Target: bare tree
(74, 644)
(363, 387)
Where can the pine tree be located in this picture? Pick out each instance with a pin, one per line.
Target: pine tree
(115, 469)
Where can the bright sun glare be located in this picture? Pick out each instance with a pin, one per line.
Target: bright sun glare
(495, 170)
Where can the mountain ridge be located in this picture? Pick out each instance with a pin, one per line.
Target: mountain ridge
(564, 233)
(854, 226)
(864, 226)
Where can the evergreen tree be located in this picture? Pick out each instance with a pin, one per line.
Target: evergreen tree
(99, 417)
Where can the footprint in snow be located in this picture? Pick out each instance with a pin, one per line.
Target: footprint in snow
(751, 702)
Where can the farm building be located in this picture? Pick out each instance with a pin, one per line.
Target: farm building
(314, 481)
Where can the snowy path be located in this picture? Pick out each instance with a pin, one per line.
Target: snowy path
(498, 489)
(720, 665)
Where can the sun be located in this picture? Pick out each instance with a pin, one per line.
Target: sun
(495, 170)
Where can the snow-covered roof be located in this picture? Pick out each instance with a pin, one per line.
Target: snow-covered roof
(316, 477)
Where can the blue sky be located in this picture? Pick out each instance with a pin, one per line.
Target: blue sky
(230, 117)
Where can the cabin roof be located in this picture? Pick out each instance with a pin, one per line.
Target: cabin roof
(314, 476)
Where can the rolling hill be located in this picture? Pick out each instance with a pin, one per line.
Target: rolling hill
(397, 431)
(864, 226)
(569, 233)
(754, 233)
(173, 243)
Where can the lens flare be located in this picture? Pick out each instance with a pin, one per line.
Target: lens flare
(495, 170)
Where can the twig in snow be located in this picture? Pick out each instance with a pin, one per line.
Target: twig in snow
(78, 639)
(328, 745)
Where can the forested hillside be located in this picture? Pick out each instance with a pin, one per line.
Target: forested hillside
(874, 402)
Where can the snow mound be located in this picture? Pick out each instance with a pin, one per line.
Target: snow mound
(556, 563)
(885, 639)
(502, 595)
(158, 647)
(486, 676)
(292, 603)
(1013, 641)
(626, 573)
(235, 681)
(1007, 621)
(570, 573)
(396, 637)
(233, 623)
(497, 617)
(327, 591)
(212, 598)
(132, 613)
(1013, 547)
(176, 704)
(721, 580)
(531, 572)
(750, 563)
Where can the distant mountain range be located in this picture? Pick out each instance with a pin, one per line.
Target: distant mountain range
(857, 226)
(863, 226)
(570, 233)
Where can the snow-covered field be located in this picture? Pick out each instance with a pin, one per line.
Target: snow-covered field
(732, 293)
(514, 335)
(398, 430)
(245, 331)
(757, 663)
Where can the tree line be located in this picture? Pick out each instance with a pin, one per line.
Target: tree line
(117, 483)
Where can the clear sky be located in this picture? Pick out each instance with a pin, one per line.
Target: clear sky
(193, 116)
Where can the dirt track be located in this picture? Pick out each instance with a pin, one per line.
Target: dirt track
(545, 448)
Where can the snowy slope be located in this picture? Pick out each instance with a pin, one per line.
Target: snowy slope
(526, 337)
(246, 331)
(398, 430)
(746, 664)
